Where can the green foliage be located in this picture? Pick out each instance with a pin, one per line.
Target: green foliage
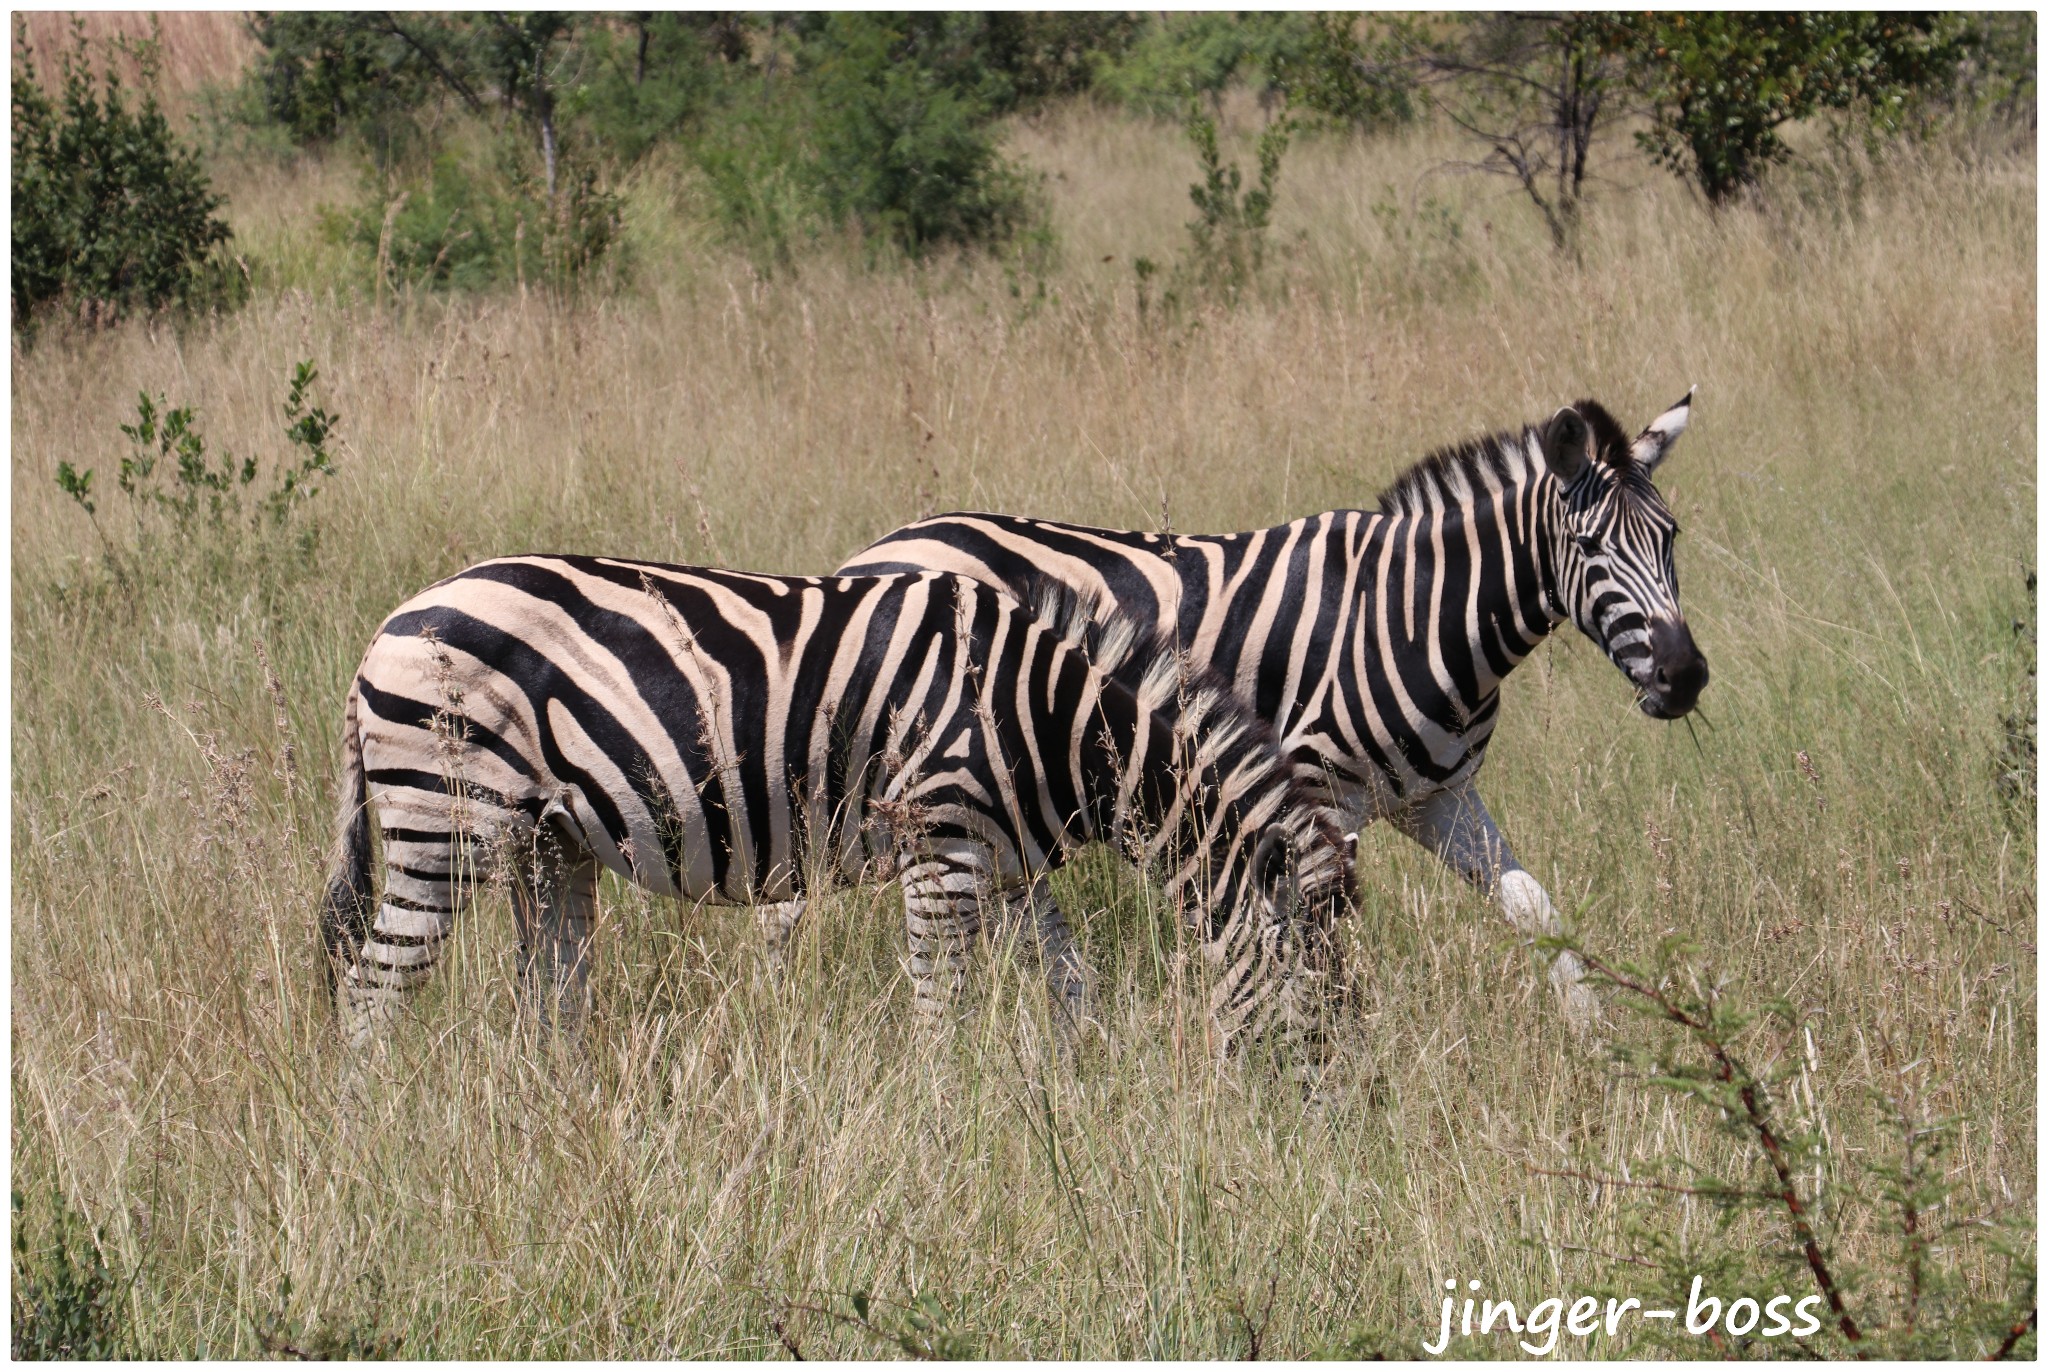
(752, 154)
(1997, 75)
(639, 90)
(1720, 86)
(1345, 76)
(1787, 1177)
(1046, 55)
(65, 1302)
(1227, 238)
(320, 75)
(899, 130)
(355, 1337)
(457, 228)
(189, 507)
(1228, 234)
(110, 210)
(1201, 55)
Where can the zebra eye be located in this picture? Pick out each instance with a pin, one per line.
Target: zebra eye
(1588, 545)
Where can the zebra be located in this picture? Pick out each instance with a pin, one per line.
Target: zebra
(1376, 641)
(736, 738)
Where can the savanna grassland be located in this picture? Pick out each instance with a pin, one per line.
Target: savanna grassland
(728, 1160)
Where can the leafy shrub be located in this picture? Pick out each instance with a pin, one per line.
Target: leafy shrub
(191, 509)
(320, 75)
(460, 230)
(1720, 86)
(110, 211)
(1201, 55)
(752, 154)
(1046, 55)
(650, 87)
(65, 1302)
(1227, 238)
(900, 108)
(1341, 77)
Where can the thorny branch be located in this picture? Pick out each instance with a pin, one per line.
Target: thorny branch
(1756, 1109)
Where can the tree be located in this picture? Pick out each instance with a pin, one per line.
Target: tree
(322, 73)
(1345, 76)
(1719, 86)
(1536, 90)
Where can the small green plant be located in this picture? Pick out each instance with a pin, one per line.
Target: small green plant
(1786, 1167)
(111, 213)
(357, 1338)
(66, 1303)
(173, 487)
(924, 1327)
(1227, 238)
(2019, 757)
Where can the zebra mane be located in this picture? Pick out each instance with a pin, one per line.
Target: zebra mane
(1450, 477)
(1141, 660)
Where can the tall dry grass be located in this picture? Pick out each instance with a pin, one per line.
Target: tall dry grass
(194, 47)
(1857, 494)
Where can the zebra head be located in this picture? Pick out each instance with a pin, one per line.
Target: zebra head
(1614, 574)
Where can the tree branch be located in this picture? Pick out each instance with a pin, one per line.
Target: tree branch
(1757, 1110)
(455, 82)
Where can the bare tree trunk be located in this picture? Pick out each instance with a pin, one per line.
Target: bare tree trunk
(544, 107)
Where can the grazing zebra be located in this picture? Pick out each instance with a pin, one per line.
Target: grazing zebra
(1376, 641)
(722, 736)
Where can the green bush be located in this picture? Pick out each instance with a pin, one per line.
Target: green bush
(194, 512)
(459, 229)
(900, 138)
(1202, 55)
(1345, 78)
(756, 169)
(320, 75)
(111, 211)
(1720, 86)
(65, 1302)
(649, 87)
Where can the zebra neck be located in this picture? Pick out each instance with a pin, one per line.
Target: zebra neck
(1474, 582)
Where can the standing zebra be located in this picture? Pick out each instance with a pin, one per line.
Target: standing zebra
(1375, 641)
(723, 736)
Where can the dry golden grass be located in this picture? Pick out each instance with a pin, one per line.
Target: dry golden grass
(196, 47)
(1857, 495)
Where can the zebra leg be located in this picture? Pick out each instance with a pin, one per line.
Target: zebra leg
(942, 912)
(554, 903)
(424, 882)
(1455, 825)
(778, 923)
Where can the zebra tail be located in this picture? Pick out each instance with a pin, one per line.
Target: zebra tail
(346, 914)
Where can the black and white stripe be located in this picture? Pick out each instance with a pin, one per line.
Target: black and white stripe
(718, 735)
(1376, 641)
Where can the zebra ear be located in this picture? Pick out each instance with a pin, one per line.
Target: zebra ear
(1567, 444)
(1273, 870)
(1654, 443)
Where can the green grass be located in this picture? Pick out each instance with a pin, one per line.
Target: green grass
(1857, 495)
